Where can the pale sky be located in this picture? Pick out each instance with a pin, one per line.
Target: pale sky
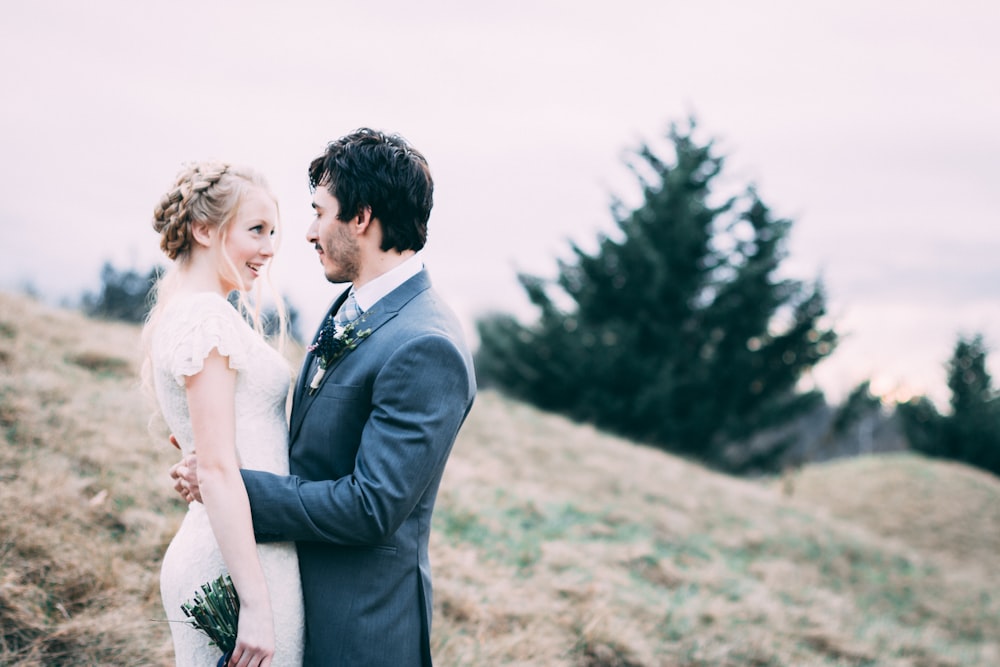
(874, 126)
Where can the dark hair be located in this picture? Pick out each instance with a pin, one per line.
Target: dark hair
(368, 168)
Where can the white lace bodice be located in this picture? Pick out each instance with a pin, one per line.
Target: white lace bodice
(188, 330)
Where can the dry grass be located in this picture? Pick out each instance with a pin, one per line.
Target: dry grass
(87, 505)
(554, 544)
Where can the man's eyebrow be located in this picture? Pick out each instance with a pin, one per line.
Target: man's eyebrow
(314, 205)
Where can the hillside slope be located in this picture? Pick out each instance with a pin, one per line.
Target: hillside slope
(554, 544)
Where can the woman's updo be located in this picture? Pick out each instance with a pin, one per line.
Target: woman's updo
(207, 192)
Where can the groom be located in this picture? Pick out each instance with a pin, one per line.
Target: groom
(376, 409)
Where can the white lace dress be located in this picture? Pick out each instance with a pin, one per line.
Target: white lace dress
(186, 332)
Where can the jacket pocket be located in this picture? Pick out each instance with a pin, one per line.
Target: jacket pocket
(340, 392)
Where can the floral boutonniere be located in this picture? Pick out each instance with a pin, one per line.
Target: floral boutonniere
(334, 342)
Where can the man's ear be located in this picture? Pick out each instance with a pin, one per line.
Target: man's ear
(364, 219)
(202, 233)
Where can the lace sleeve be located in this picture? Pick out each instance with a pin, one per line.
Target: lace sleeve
(206, 324)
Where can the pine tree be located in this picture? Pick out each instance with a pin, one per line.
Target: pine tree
(124, 295)
(679, 333)
(971, 433)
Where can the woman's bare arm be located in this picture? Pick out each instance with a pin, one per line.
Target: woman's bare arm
(211, 396)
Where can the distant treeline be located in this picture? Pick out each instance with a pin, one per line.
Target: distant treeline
(126, 295)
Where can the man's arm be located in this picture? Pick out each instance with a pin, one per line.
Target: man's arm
(419, 400)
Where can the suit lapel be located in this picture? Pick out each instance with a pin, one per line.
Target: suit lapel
(381, 312)
(304, 376)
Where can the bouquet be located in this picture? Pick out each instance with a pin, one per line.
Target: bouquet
(215, 611)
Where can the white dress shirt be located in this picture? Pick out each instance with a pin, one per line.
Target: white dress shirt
(371, 292)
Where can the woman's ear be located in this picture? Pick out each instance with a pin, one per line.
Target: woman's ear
(203, 233)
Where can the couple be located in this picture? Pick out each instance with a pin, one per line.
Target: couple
(341, 499)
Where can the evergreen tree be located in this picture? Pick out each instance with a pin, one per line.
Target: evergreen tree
(679, 332)
(858, 404)
(921, 424)
(971, 433)
(124, 295)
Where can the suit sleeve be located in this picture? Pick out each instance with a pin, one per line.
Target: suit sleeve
(420, 397)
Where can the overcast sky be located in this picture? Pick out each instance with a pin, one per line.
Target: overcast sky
(874, 126)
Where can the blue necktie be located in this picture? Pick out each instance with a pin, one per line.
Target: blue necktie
(348, 311)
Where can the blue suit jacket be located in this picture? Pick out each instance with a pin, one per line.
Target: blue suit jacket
(367, 451)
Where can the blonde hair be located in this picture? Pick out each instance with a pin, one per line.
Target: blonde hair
(209, 193)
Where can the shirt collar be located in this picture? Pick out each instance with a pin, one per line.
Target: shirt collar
(371, 292)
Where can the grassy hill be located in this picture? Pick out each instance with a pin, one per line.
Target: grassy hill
(554, 544)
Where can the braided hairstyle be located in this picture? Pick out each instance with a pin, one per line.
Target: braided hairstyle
(208, 192)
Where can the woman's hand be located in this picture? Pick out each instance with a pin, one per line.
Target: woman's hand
(254, 638)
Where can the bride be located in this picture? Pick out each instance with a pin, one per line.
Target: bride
(222, 390)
